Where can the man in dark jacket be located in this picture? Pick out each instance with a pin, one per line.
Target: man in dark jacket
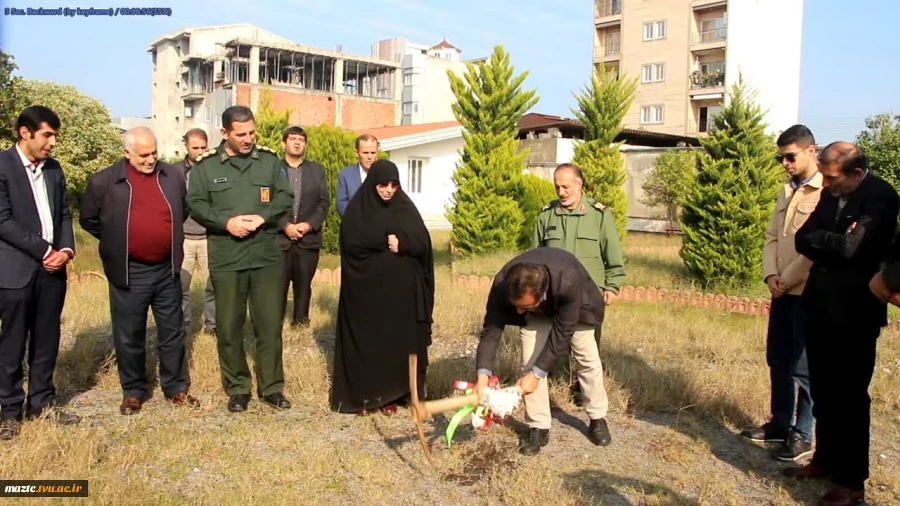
(547, 289)
(136, 209)
(301, 228)
(847, 236)
(36, 243)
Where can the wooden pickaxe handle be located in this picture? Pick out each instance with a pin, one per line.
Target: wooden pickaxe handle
(429, 408)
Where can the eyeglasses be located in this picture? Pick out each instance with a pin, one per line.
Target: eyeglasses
(790, 157)
(389, 184)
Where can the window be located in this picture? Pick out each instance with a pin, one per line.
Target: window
(651, 115)
(408, 78)
(407, 108)
(207, 114)
(655, 30)
(653, 73)
(414, 175)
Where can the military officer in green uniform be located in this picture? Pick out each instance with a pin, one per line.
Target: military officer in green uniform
(587, 229)
(239, 193)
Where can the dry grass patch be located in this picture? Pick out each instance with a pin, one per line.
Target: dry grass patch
(681, 382)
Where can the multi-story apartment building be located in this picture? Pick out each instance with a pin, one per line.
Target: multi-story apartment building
(686, 54)
(426, 95)
(199, 72)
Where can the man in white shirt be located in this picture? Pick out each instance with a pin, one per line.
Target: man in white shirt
(36, 243)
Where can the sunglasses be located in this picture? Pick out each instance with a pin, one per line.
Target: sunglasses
(790, 157)
(389, 184)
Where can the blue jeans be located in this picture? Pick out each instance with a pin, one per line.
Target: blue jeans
(788, 369)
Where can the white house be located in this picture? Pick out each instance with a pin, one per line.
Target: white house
(427, 155)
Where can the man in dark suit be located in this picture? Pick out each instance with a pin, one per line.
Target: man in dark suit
(847, 236)
(136, 208)
(301, 237)
(547, 289)
(36, 243)
(351, 178)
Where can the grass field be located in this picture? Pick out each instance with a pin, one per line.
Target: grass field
(682, 382)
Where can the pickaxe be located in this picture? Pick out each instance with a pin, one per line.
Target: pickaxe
(422, 411)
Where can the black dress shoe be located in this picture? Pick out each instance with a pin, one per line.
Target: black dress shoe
(238, 403)
(277, 400)
(536, 439)
(599, 432)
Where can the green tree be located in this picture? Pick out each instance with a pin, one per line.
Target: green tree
(538, 192)
(670, 180)
(485, 213)
(270, 125)
(10, 99)
(88, 142)
(601, 108)
(881, 143)
(731, 198)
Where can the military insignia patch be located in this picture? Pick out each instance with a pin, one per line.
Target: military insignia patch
(266, 148)
(264, 194)
(599, 206)
(206, 154)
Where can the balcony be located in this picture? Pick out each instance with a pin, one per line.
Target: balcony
(708, 84)
(193, 92)
(709, 40)
(698, 5)
(606, 52)
(700, 127)
(607, 12)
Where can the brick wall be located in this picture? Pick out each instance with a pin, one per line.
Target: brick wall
(360, 113)
(242, 96)
(309, 108)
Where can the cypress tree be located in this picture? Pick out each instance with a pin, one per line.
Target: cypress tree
(485, 211)
(601, 108)
(730, 201)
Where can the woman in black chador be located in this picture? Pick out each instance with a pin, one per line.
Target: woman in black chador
(387, 296)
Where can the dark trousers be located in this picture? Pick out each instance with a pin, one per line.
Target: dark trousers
(151, 287)
(30, 315)
(788, 369)
(841, 363)
(299, 269)
(233, 289)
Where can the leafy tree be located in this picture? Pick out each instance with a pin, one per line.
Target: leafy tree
(10, 99)
(601, 108)
(730, 200)
(88, 142)
(538, 192)
(485, 211)
(881, 143)
(670, 180)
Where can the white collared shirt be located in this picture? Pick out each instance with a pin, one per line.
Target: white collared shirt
(35, 175)
(362, 174)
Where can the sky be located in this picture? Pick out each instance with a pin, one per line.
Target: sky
(849, 62)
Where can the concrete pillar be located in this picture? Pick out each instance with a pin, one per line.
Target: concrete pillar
(254, 65)
(397, 75)
(338, 89)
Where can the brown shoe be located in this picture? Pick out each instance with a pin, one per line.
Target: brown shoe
(184, 398)
(807, 472)
(842, 496)
(131, 406)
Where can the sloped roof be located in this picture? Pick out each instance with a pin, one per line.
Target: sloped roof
(390, 132)
(443, 44)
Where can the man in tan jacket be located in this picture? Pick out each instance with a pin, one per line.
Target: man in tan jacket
(785, 272)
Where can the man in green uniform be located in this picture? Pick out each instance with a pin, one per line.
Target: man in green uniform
(587, 229)
(239, 193)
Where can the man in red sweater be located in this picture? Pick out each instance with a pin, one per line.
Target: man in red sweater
(136, 208)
